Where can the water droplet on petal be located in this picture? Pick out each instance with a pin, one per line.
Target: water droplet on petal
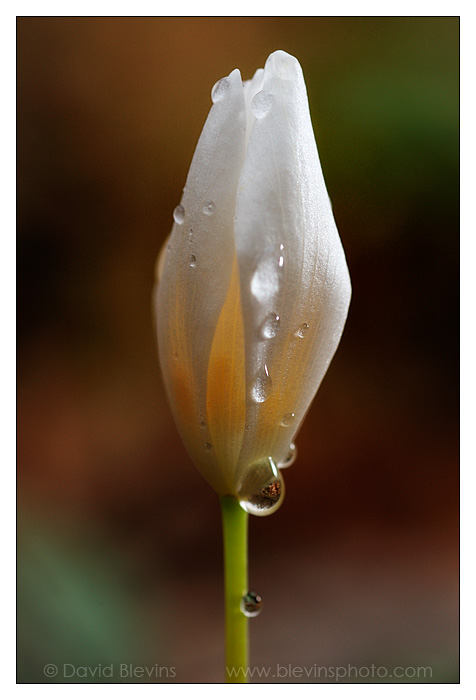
(302, 330)
(256, 475)
(193, 261)
(270, 326)
(267, 500)
(287, 420)
(265, 281)
(208, 207)
(261, 386)
(208, 446)
(262, 490)
(220, 89)
(262, 103)
(203, 424)
(290, 457)
(251, 604)
(179, 214)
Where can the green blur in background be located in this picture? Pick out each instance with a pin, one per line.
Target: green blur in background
(119, 539)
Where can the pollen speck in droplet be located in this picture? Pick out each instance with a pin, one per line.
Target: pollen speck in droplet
(193, 261)
(208, 207)
(179, 214)
(270, 326)
(261, 386)
(220, 89)
(262, 103)
(287, 420)
(251, 604)
(302, 330)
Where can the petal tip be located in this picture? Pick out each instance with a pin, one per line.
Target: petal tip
(225, 85)
(283, 65)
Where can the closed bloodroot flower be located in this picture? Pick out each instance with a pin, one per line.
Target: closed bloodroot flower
(254, 288)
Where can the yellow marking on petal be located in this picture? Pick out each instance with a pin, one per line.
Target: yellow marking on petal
(183, 395)
(226, 380)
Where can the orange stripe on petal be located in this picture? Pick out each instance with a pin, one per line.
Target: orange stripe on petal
(226, 408)
(183, 397)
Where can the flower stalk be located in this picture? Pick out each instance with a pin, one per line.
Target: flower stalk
(235, 555)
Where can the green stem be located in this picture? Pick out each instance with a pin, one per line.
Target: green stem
(235, 552)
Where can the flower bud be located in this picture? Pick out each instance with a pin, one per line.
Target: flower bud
(254, 288)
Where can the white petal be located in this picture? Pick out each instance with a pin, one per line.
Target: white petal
(251, 87)
(291, 262)
(197, 270)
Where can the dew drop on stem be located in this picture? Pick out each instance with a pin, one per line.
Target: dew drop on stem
(251, 604)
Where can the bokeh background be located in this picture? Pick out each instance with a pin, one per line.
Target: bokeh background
(119, 537)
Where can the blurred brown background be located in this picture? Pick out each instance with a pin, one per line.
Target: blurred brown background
(119, 537)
